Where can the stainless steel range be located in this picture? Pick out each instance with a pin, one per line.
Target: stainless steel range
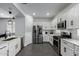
(57, 41)
(57, 44)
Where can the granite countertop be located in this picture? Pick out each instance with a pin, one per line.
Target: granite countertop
(5, 42)
(74, 41)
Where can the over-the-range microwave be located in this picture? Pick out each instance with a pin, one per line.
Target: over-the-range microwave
(62, 25)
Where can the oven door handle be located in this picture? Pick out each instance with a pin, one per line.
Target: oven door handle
(64, 49)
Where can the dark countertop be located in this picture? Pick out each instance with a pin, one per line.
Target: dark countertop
(10, 39)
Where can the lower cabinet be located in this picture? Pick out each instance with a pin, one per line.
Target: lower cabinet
(3, 51)
(76, 53)
(66, 50)
(14, 47)
(51, 39)
(45, 38)
(18, 45)
(76, 50)
(69, 51)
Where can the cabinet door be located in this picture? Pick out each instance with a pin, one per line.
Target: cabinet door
(66, 50)
(18, 45)
(68, 22)
(51, 39)
(46, 38)
(12, 48)
(63, 50)
(76, 23)
(3, 51)
(69, 51)
(76, 53)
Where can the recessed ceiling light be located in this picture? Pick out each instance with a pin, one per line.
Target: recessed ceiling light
(34, 13)
(47, 13)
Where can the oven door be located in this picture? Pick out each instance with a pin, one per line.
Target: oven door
(56, 45)
(55, 42)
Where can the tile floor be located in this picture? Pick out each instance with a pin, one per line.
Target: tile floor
(44, 49)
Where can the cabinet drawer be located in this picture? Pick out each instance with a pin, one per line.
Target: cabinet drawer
(76, 48)
(68, 44)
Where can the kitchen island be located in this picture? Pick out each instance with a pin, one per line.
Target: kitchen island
(11, 47)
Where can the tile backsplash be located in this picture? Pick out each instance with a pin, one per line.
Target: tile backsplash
(74, 33)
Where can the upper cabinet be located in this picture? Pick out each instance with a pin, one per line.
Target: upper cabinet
(54, 24)
(48, 26)
(72, 17)
(5, 14)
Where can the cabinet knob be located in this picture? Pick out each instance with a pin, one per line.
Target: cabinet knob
(64, 49)
(75, 55)
(7, 52)
(16, 46)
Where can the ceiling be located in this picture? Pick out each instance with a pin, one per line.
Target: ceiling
(37, 10)
(43, 10)
(9, 6)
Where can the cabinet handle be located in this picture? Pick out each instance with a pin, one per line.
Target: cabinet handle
(16, 46)
(7, 52)
(71, 22)
(75, 55)
(64, 49)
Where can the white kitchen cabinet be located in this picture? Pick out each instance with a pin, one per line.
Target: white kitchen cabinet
(51, 39)
(46, 38)
(18, 45)
(14, 46)
(76, 50)
(63, 53)
(71, 23)
(46, 27)
(72, 16)
(54, 23)
(69, 51)
(66, 50)
(3, 51)
(49, 27)
(76, 53)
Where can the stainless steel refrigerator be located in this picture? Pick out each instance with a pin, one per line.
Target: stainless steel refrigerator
(37, 35)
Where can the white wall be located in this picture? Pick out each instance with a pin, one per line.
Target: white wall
(20, 26)
(3, 25)
(28, 29)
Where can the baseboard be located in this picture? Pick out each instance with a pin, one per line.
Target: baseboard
(29, 44)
